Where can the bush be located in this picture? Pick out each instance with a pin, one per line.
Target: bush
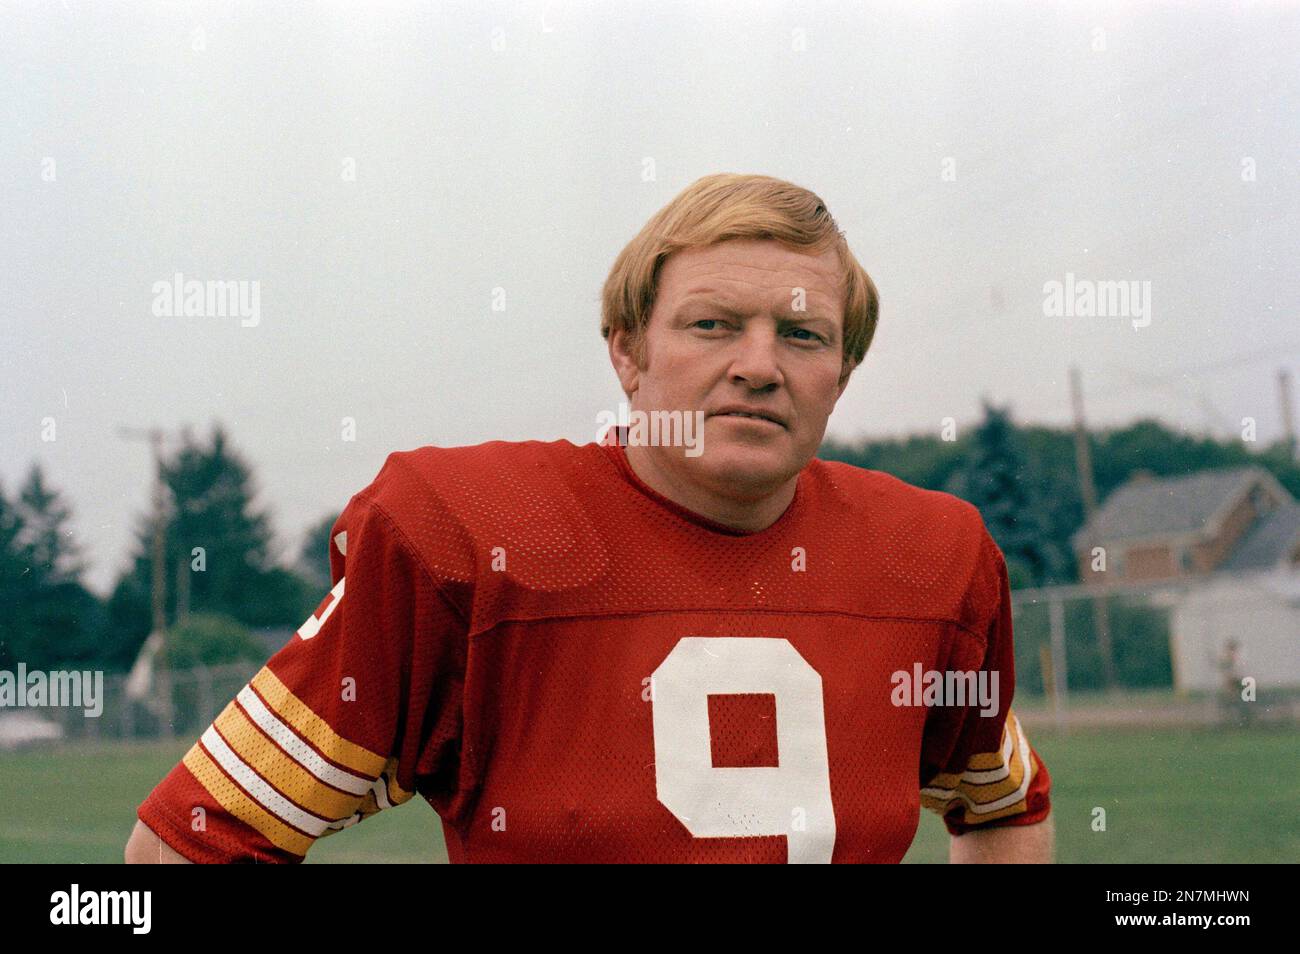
(1139, 636)
(211, 639)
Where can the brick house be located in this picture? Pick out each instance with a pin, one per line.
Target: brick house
(1158, 529)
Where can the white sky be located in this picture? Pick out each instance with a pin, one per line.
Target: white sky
(522, 168)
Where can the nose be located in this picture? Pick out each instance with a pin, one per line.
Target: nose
(754, 362)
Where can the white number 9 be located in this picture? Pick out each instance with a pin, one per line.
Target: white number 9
(791, 799)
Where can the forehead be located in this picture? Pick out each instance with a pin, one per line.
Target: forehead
(748, 269)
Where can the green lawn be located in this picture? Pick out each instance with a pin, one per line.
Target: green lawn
(1186, 795)
(1180, 796)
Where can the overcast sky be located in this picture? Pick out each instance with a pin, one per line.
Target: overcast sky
(971, 152)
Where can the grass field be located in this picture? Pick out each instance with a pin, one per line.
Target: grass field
(1169, 795)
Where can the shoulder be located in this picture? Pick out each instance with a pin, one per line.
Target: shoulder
(885, 498)
(932, 548)
(457, 506)
(470, 478)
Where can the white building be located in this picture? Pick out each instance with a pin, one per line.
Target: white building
(1260, 610)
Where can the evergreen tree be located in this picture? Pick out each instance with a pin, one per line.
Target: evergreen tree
(997, 476)
(212, 490)
(218, 550)
(54, 555)
(15, 571)
(50, 618)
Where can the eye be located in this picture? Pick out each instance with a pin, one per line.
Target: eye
(706, 324)
(812, 336)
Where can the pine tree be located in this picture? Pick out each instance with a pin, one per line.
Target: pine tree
(999, 479)
(212, 489)
(54, 554)
(15, 572)
(219, 550)
(50, 618)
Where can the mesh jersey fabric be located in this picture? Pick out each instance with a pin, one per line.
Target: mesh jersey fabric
(568, 666)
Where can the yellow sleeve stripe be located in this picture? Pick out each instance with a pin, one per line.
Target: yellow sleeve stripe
(288, 777)
(980, 771)
(313, 728)
(988, 761)
(233, 800)
(396, 794)
(385, 793)
(988, 792)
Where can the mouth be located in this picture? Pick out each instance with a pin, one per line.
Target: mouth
(758, 418)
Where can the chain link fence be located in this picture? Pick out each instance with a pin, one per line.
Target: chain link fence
(1199, 650)
(197, 696)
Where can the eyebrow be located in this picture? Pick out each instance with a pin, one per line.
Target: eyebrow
(708, 304)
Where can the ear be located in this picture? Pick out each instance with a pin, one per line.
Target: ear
(622, 356)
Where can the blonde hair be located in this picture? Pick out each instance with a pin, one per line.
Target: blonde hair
(728, 206)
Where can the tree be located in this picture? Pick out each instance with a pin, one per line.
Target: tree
(50, 618)
(998, 477)
(219, 553)
(54, 555)
(211, 639)
(15, 568)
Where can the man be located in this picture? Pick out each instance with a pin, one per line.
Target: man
(1233, 708)
(656, 653)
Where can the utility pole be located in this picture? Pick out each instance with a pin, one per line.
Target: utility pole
(154, 435)
(1088, 491)
(1288, 416)
(182, 591)
(1082, 452)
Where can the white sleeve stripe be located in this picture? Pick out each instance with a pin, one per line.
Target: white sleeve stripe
(999, 773)
(947, 794)
(980, 777)
(253, 783)
(380, 789)
(297, 749)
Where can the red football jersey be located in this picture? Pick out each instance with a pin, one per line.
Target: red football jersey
(568, 666)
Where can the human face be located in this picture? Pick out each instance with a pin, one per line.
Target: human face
(745, 324)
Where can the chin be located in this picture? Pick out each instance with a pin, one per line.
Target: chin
(739, 465)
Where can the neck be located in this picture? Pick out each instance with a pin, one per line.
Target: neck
(739, 513)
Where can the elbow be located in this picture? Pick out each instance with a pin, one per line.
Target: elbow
(145, 847)
(136, 852)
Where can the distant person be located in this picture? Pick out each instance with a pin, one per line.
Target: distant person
(641, 650)
(1233, 707)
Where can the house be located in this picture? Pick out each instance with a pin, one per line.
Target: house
(1229, 543)
(1174, 528)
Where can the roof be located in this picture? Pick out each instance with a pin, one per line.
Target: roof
(1269, 542)
(1167, 506)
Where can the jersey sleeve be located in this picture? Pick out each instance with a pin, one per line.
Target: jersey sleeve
(355, 714)
(978, 770)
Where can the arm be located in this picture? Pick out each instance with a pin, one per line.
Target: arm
(358, 708)
(978, 770)
(146, 848)
(1011, 844)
